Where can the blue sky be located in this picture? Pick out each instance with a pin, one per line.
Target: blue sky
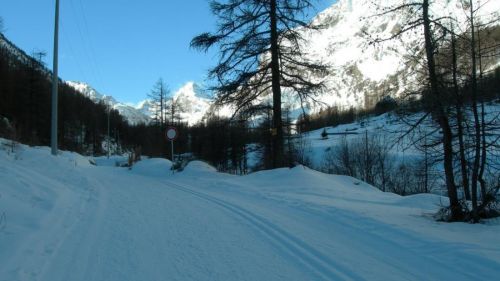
(120, 47)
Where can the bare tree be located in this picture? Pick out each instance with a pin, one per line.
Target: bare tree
(434, 98)
(158, 97)
(173, 110)
(479, 113)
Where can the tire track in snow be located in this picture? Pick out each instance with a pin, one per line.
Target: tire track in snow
(321, 265)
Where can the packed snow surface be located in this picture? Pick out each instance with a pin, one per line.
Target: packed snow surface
(62, 218)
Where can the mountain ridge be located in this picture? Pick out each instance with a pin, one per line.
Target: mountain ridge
(191, 104)
(362, 73)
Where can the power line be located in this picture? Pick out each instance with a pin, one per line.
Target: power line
(67, 41)
(86, 29)
(87, 48)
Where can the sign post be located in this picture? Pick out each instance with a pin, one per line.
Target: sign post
(171, 135)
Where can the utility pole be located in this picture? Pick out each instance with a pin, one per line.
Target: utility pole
(109, 139)
(53, 140)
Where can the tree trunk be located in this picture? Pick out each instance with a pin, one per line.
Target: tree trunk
(441, 117)
(426, 167)
(276, 88)
(482, 166)
(459, 108)
(161, 105)
(477, 125)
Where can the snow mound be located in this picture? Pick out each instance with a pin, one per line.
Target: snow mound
(42, 155)
(303, 178)
(199, 166)
(423, 201)
(154, 167)
(113, 161)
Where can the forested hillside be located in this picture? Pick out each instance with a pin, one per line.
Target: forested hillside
(25, 88)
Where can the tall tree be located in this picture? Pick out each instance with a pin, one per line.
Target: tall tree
(158, 97)
(260, 54)
(477, 99)
(439, 113)
(420, 16)
(173, 109)
(459, 101)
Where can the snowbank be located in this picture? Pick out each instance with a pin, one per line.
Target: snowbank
(153, 167)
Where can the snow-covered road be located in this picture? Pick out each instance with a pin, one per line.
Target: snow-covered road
(67, 220)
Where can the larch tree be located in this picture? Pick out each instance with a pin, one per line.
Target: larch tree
(173, 110)
(434, 99)
(453, 98)
(158, 97)
(261, 54)
(481, 125)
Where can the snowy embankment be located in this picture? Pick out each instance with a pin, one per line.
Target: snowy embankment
(64, 219)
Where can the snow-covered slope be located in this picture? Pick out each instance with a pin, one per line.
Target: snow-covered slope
(193, 104)
(13, 49)
(64, 219)
(132, 114)
(362, 73)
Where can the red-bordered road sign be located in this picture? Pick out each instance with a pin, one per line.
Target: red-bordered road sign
(171, 133)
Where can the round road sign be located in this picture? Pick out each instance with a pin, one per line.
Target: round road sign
(171, 133)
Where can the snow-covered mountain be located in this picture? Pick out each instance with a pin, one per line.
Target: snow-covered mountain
(191, 103)
(361, 72)
(133, 115)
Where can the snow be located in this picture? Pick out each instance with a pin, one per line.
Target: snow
(192, 107)
(66, 219)
(112, 161)
(389, 128)
(360, 70)
(152, 167)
